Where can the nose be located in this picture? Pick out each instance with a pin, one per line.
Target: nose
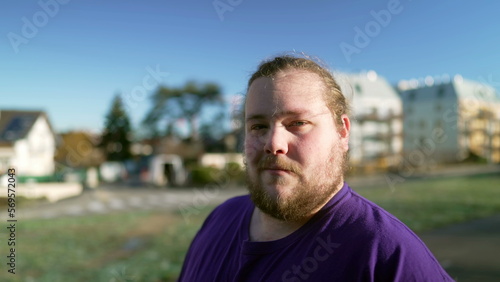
(276, 141)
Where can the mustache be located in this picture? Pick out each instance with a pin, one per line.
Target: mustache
(276, 162)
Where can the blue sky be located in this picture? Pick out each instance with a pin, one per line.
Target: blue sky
(72, 57)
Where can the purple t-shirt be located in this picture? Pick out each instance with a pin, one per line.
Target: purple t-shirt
(349, 239)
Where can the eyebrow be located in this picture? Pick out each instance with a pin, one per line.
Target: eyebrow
(276, 114)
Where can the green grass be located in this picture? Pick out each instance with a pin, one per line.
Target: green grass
(150, 246)
(428, 204)
(94, 248)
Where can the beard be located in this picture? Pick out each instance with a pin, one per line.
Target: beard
(309, 192)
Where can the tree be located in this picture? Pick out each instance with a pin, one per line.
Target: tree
(183, 103)
(117, 133)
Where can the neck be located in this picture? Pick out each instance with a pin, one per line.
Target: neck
(264, 227)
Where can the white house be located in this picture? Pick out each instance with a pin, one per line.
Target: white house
(376, 135)
(445, 121)
(27, 143)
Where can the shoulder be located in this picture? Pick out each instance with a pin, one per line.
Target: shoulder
(231, 211)
(236, 202)
(233, 205)
(393, 250)
(381, 227)
(376, 220)
(216, 245)
(224, 222)
(355, 218)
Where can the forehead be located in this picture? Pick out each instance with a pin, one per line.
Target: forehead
(297, 91)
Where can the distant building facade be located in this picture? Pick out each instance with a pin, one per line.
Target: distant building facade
(446, 122)
(27, 142)
(376, 135)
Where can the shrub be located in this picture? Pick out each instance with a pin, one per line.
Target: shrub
(232, 173)
(201, 175)
(37, 179)
(235, 172)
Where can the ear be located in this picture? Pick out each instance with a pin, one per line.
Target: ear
(344, 131)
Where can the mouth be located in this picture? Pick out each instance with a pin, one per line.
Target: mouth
(277, 170)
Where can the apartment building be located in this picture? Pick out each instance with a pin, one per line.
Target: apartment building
(450, 120)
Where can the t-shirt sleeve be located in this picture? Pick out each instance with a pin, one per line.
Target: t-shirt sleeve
(395, 252)
(189, 263)
(209, 248)
(402, 256)
(409, 261)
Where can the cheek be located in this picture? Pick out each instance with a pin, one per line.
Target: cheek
(315, 148)
(252, 147)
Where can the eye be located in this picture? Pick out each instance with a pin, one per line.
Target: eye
(297, 123)
(257, 127)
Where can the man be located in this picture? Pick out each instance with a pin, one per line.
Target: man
(301, 221)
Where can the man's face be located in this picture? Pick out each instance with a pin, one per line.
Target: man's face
(294, 152)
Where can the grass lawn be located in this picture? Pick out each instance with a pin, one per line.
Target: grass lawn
(150, 246)
(428, 204)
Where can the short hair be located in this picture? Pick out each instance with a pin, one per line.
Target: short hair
(333, 96)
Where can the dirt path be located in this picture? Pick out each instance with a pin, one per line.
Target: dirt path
(103, 201)
(469, 251)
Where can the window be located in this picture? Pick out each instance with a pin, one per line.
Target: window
(411, 96)
(358, 88)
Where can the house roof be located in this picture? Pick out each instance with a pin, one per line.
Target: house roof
(16, 124)
(366, 85)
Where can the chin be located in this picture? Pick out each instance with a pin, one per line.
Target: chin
(282, 190)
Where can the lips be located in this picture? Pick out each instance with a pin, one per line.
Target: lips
(276, 170)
